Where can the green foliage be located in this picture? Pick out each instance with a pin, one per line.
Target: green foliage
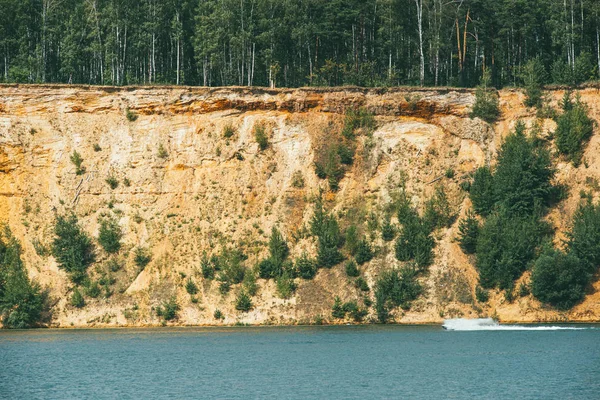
(574, 129)
(482, 191)
(243, 302)
(249, 283)
(560, 279)
(77, 161)
(272, 267)
(228, 131)
(364, 253)
(481, 294)
(327, 230)
(232, 269)
(218, 315)
(260, 135)
(438, 213)
(361, 284)
(191, 287)
(77, 299)
(298, 180)
(351, 240)
(93, 290)
(337, 310)
(522, 178)
(162, 152)
(523, 174)
(507, 246)
(468, 233)
(21, 300)
(97, 147)
(207, 268)
(306, 267)
(524, 289)
(352, 269)
(359, 118)
(142, 257)
(113, 182)
(130, 115)
(388, 231)
(486, 104)
(534, 76)
(396, 288)
(285, 285)
(584, 236)
(72, 247)
(415, 241)
(168, 309)
(110, 234)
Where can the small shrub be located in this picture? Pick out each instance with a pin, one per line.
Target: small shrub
(486, 104)
(481, 294)
(388, 231)
(356, 119)
(142, 257)
(337, 310)
(126, 182)
(285, 286)
(72, 247)
(243, 302)
(364, 253)
(228, 131)
(21, 300)
(450, 173)
(534, 76)
(298, 180)
(361, 284)
(162, 152)
(524, 290)
(113, 265)
(97, 147)
(306, 267)
(351, 240)
(345, 153)
(77, 160)
(560, 279)
(191, 287)
(352, 269)
(207, 268)
(574, 129)
(260, 135)
(468, 233)
(93, 290)
(109, 235)
(249, 283)
(77, 299)
(168, 310)
(130, 115)
(396, 288)
(218, 315)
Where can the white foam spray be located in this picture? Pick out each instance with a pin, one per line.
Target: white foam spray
(488, 324)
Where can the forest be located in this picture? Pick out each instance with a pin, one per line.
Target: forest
(292, 43)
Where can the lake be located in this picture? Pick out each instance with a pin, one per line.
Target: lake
(346, 362)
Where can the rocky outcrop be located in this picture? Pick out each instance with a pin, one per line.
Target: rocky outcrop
(185, 189)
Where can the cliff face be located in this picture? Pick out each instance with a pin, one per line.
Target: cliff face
(208, 191)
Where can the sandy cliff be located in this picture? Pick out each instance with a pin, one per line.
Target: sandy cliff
(210, 191)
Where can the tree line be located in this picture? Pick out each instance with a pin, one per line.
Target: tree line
(297, 42)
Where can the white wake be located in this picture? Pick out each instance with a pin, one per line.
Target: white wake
(488, 324)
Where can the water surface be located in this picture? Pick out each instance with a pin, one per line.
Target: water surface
(374, 362)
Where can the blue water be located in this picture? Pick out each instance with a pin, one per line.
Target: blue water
(372, 362)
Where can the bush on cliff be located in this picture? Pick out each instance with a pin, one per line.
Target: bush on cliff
(396, 288)
(110, 234)
(21, 300)
(72, 247)
(574, 129)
